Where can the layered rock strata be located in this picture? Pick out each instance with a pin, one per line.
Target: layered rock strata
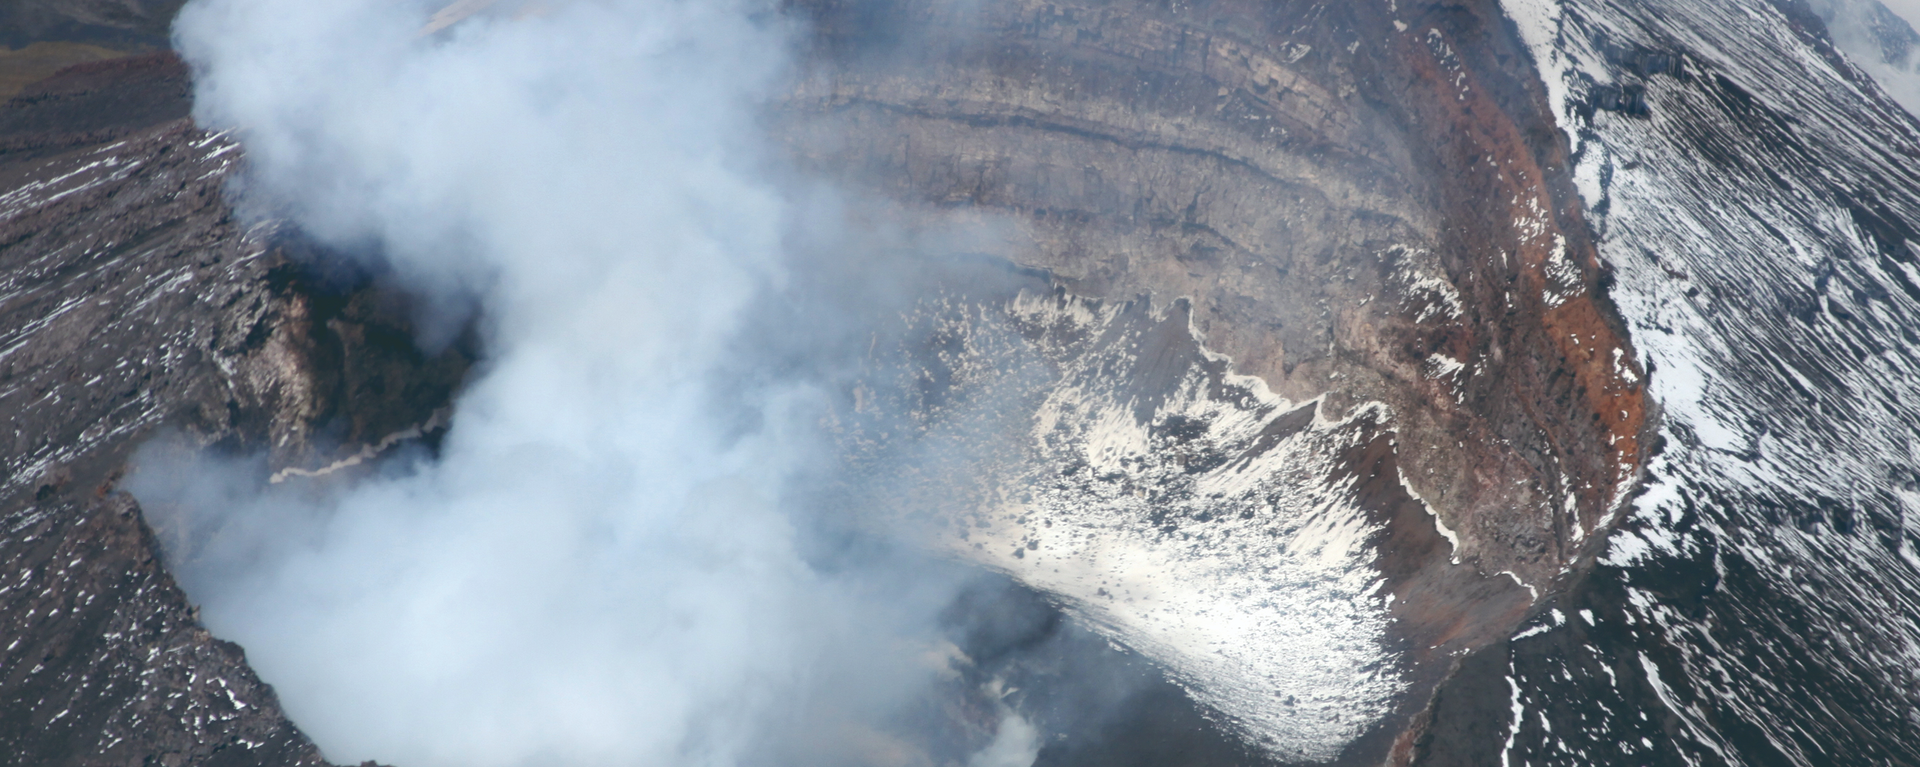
(1362, 204)
(1367, 208)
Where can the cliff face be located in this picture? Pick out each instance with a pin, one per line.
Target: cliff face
(1364, 206)
(1357, 211)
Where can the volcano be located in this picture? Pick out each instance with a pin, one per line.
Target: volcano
(1411, 383)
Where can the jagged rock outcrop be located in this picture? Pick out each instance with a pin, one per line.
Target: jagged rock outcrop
(1762, 212)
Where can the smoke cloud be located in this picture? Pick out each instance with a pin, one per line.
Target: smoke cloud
(1878, 37)
(603, 565)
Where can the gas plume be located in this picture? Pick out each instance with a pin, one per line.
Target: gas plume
(1878, 37)
(603, 564)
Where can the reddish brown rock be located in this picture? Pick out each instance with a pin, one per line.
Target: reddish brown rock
(1354, 208)
(1363, 202)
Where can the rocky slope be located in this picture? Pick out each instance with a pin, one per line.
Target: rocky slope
(133, 303)
(1760, 213)
(41, 37)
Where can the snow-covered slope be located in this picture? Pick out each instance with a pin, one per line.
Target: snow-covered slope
(1177, 508)
(1759, 212)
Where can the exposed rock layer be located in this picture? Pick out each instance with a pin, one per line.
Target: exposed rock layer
(1356, 210)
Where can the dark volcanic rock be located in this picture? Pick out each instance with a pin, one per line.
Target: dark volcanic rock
(133, 25)
(95, 103)
(124, 280)
(131, 301)
(106, 661)
(1762, 218)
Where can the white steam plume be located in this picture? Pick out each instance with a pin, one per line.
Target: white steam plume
(1878, 37)
(598, 569)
